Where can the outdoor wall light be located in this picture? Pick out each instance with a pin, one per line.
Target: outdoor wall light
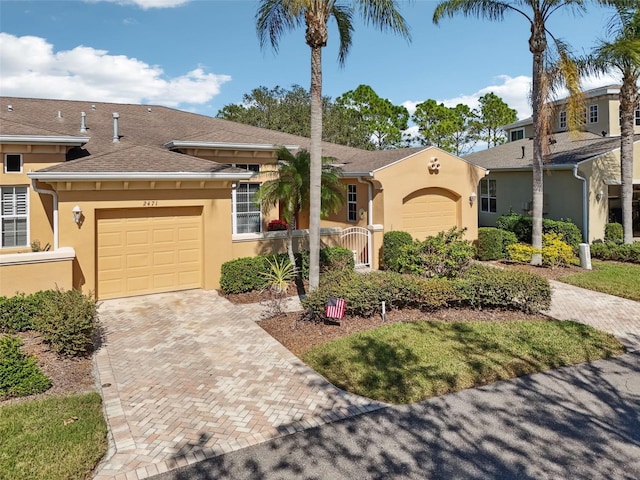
(599, 195)
(77, 214)
(472, 198)
(362, 213)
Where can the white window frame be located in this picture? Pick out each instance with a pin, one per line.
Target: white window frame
(593, 113)
(251, 207)
(517, 131)
(6, 162)
(487, 193)
(637, 122)
(9, 213)
(352, 202)
(562, 121)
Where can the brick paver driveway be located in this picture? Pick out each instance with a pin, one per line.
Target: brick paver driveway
(185, 376)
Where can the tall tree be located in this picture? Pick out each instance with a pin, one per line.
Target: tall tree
(622, 56)
(382, 119)
(290, 189)
(445, 127)
(273, 18)
(536, 13)
(491, 115)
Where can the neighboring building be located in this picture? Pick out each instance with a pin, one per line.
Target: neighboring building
(601, 115)
(581, 181)
(135, 199)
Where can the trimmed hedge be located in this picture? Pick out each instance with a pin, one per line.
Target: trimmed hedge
(613, 232)
(364, 293)
(488, 287)
(617, 252)
(493, 242)
(17, 312)
(392, 244)
(522, 227)
(19, 373)
(248, 273)
(479, 287)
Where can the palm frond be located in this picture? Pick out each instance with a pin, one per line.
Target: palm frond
(274, 17)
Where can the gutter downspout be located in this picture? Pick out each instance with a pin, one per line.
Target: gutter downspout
(369, 218)
(55, 210)
(585, 211)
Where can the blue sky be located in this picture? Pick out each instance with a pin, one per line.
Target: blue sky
(200, 55)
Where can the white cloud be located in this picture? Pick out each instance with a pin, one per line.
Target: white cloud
(145, 4)
(514, 91)
(31, 68)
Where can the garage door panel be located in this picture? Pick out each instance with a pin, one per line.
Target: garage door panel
(429, 211)
(143, 251)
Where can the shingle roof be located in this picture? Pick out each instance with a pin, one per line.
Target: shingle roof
(566, 148)
(152, 127)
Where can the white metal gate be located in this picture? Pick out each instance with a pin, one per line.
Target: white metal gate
(358, 240)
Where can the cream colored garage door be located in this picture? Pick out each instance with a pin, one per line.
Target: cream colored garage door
(429, 211)
(143, 251)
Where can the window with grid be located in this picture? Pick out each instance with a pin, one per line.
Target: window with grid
(638, 117)
(563, 120)
(12, 163)
(352, 203)
(517, 134)
(593, 114)
(247, 217)
(14, 214)
(488, 202)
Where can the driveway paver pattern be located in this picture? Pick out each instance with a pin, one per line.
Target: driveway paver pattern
(186, 376)
(615, 315)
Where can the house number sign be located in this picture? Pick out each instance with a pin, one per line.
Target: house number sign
(150, 203)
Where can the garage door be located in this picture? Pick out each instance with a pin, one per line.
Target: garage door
(142, 251)
(429, 211)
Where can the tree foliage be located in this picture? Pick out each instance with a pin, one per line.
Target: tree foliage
(450, 128)
(491, 115)
(289, 110)
(381, 119)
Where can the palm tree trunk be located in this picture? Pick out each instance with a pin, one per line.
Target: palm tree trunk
(315, 152)
(292, 257)
(628, 101)
(537, 46)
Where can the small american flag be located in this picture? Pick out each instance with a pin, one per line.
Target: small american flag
(335, 307)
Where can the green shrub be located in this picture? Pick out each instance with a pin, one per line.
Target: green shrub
(336, 258)
(19, 374)
(616, 252)
(444, 255)
(520, 252)
(522, 227)
(492, 243)
(17, 312)
(488, 287)
(68, 321)
(392, 244)
(613, 232)
(556, 252)
(243, 274)
(364, 293)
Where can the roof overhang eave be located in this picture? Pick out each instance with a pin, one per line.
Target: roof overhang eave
(44, 140)
(129, 176)
(356, 174)
(567, 166)
(264, 147)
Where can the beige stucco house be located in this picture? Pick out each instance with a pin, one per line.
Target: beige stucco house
(582, 170)
(134, 199)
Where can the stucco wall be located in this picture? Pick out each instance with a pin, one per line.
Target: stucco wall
(412, 175)
(32, 272)
(562, 194)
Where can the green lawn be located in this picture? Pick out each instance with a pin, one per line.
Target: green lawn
(42, 440)
(619, 279)
(404, 363)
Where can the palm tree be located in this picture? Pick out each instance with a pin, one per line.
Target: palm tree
(622, 56)
(290, 190)
(537, 13)
(276, 16)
